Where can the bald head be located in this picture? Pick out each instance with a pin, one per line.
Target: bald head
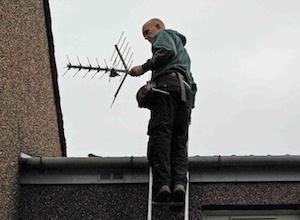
(151, 27)
(156, 21)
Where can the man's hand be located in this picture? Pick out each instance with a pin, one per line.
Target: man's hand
(136, 71)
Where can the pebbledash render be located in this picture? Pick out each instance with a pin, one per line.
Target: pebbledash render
(30, 115)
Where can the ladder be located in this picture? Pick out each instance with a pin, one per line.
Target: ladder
(150, 202)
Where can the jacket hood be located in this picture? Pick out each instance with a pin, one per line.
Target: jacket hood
(181, 36)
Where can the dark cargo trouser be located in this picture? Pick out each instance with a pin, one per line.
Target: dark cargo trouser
(168, 134)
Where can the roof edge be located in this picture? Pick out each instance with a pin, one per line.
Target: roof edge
(142, 162)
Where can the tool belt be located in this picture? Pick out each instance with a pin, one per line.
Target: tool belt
(145, 95)
(183, 85)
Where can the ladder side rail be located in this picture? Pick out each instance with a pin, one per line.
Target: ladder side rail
(149, 217)
(187, 196)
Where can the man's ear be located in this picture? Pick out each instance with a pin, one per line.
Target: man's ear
(158, 26)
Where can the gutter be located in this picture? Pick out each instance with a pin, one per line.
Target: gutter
(83, 163)
(244, 161)
(195, 162)
(121, 170)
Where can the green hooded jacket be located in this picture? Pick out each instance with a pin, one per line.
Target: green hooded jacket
(169, 55)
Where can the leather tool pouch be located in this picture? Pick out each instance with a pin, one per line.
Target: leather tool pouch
(144, 95)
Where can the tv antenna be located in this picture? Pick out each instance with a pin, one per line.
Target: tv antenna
(121, 62)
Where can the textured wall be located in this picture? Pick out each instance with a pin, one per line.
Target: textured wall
(244, 194)
(89, 202)
(129, 201)
(28, 120)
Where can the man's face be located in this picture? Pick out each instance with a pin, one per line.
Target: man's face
(149, 30)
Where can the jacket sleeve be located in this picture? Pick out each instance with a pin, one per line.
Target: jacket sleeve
(163, 50)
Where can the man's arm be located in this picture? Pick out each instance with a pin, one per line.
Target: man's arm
(163, 49)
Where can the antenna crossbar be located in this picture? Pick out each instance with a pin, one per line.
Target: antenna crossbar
(92, 68)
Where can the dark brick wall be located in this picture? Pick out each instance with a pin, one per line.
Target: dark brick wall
(243, 194)
(126, 201)
(101, 202)
(129, 201)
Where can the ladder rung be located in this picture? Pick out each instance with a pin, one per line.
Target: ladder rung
(168, 203)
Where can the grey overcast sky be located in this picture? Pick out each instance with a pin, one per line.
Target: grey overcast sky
(245, 59)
